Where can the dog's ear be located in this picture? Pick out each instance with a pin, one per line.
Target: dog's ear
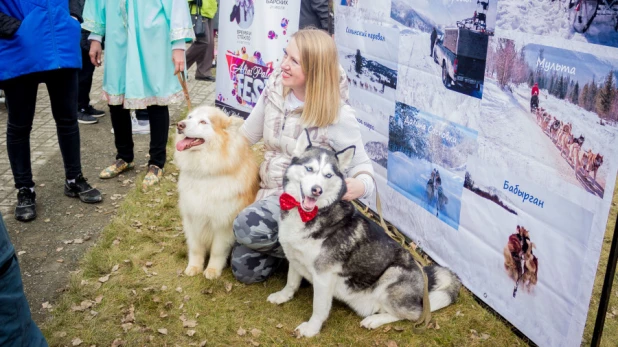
(302, 144)
(344, 157)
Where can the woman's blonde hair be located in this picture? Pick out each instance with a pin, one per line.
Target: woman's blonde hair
(320, 64)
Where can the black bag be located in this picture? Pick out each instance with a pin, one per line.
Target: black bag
(199, 27)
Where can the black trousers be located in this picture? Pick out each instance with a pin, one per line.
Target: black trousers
(123, 136)
(21, 94)
(85, 81)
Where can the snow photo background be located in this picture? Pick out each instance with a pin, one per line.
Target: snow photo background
(551, 188)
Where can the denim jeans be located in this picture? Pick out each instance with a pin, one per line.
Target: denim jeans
(17, 329)
(21, 94)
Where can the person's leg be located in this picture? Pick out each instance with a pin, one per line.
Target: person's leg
(204, 66)
(16, 325)
(85, 113)
(159, 132)
(62, 87)
(257, 252)
(123, 139)
(22, 93)
(198, 52)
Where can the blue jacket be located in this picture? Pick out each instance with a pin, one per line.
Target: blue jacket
(39, 35)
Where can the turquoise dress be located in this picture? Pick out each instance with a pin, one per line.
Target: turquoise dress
(138, 48)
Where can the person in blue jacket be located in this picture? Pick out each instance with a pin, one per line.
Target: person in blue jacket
(39, 43)
(16, 325)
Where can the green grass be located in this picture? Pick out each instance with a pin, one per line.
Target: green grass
(224, 306)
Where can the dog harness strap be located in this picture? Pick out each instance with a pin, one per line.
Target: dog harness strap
(425, 317)
(288, 202)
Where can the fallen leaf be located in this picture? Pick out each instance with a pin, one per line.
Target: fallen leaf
(115, 268)
(46, 305)
(104, 279)
(485, 336)
(127, 326)
(162, 314)
(116, 242)
(148, 264)
(190, 333)
(86, 304)
(203, 343)
(391, 343)
(130, 317)
(387, 329)
(59, 249)
(241, 332)
(78, 241)
(182, 317)
(60, 334)
(87, 237)
(94, 313)
(117, 343)
(256, 332)
(68, 242)
(156, 299)
(399, 328)
(47, 221)
(76, 308)
(207, 291)
(162, 331)
(189, 324)
(163, 288)
(60, 260)
(42, 185)
(76, 341)
(279, 326)
(98, 299)
(228, 286)
(186, 298)
(179, 289)
(21, 252)
(458, 314)
(254, 343)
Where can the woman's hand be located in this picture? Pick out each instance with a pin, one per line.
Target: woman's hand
(178, 57)
(356, 189)
(95, 53)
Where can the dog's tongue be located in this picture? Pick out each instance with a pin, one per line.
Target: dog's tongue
(309, 203)
(184, 144)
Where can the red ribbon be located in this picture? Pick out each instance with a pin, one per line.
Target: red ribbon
(288, 202)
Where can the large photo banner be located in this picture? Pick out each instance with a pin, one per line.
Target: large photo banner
(493, 130)
(252, 36)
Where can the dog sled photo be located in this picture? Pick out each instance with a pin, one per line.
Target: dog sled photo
(448, 40)
(557, 110)
(427, 159)
(591, 21)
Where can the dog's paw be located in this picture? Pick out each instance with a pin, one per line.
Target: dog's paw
(212, 273)
(279, 297)
(306, 330)
(192, 270)
(371, 322)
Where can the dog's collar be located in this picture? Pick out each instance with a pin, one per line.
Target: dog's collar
(288, 202)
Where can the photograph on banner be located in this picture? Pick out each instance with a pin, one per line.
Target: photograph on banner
(592, 21)
(556, 111)
(427, 93)
(448, 40)
(374, 133)
(531, 243)
(427, 159)
(251, 46)
(377, 109)
(368, 54)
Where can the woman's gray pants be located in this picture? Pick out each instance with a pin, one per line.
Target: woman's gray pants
(257, 252)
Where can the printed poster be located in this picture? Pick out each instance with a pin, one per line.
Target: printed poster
(515, 108)
(252, 36)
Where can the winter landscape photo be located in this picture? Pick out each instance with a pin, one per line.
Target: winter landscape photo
(447, 40)
(592, 21)
(531, 251)
(369, 74)
(555, 110)
(427, 160)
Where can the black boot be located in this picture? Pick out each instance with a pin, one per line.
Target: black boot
(82, 190)
(25, 210)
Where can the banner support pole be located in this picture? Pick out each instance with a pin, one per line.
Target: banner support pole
(607, 289)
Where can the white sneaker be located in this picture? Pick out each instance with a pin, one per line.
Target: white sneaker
(140, 127)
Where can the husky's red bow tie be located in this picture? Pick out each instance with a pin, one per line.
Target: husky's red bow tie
(288, 202)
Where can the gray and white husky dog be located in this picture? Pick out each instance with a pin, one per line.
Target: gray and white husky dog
(345, 255)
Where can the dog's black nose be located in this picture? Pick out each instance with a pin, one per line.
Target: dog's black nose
(181, 125)
(316, 190)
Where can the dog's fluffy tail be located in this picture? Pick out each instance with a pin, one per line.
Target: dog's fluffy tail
(443, 286)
